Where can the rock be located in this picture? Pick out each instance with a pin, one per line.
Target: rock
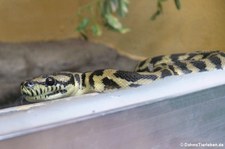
(21, 61)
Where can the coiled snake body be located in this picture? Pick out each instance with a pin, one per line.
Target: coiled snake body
(64, 84)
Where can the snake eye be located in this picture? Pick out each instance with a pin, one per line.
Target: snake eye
(50, 81)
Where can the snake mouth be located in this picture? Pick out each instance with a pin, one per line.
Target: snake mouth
(34, 96)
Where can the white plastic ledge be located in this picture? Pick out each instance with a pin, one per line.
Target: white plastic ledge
(25, 119)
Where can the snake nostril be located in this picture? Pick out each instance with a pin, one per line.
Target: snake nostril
(29, 84)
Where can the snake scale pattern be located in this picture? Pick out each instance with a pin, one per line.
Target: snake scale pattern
(64, 84)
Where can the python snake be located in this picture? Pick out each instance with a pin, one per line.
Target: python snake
(64, 84)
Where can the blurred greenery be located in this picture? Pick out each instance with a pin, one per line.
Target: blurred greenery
(107, 13)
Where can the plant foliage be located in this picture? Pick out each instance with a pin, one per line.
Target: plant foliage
(108, 13)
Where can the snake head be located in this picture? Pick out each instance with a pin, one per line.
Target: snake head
(48, 87)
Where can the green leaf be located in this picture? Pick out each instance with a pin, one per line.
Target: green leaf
(114, 5)
(177, 2)
(113, 22)
(155, 15)
(83, 25)
(122, 8)
(159, 9)
(96, 30)
(124, 30)
(106, 8)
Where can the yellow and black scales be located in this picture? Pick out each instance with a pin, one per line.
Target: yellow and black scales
(64, 84)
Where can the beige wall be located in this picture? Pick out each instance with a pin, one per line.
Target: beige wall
(200, 24)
